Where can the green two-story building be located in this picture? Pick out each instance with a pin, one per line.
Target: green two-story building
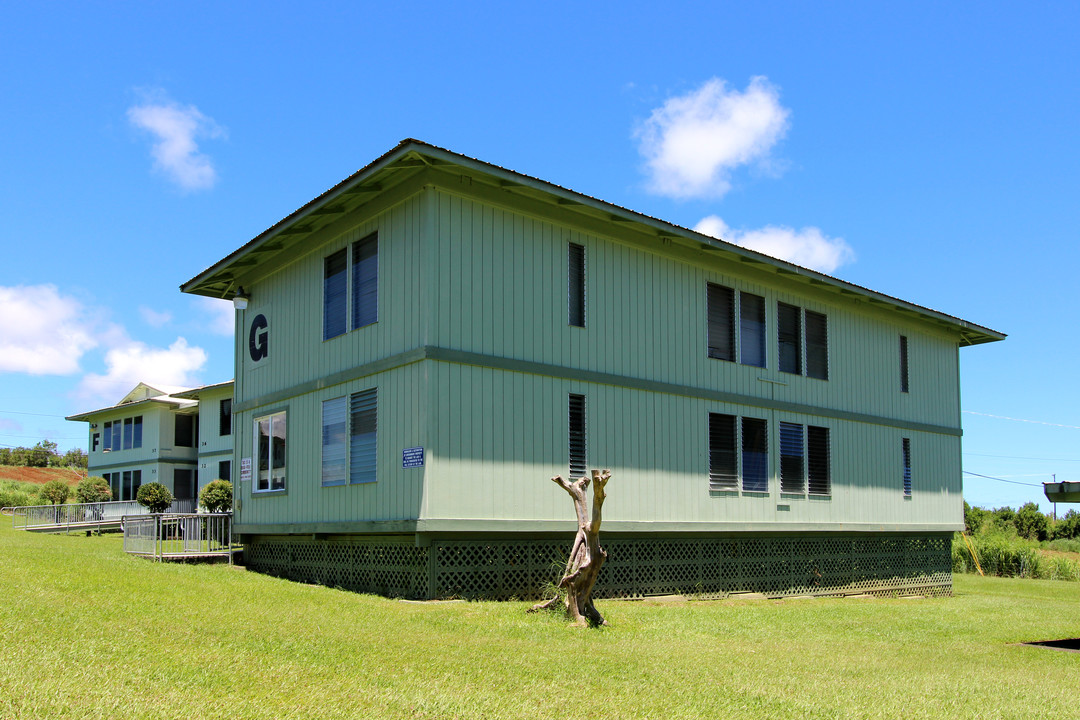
(420, 348)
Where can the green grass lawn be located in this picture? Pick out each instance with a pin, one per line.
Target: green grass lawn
(87, 631)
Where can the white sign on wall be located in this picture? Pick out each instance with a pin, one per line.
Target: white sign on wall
(245, 470)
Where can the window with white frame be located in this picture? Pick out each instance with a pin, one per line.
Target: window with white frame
(270, 452)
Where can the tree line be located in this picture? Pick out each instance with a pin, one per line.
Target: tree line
(43, 454)
(1027, 522)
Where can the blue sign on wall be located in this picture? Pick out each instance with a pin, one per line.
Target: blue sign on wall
(412, 457)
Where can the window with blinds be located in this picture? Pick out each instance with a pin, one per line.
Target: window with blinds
(576, 423)
(720, 311)
(365, 279)
(751, 329)
(818, 467)
(723, 458)
(333, 441)
(791, 458)
(363, 408)
(817, 345)
(755, 455)
(789, 335)
(335, 294)
(576, 284)
(903, 364)
(906, 448)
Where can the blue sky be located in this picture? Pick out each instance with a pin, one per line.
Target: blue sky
(925, 150)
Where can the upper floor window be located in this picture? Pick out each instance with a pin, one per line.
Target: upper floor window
(791, 341)
(225, 417)
(365, 287)
(184, 435)
(270, 451)
(575, 299)
(365, 280)
(120, 434)
(721, 310)
(335, 293)
(903, 364)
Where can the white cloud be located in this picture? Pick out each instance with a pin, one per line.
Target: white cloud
(133, 362)
(43, 332)
(808, 247)
(154, 318)
(176, 152)
(693, 142)
(221, 313)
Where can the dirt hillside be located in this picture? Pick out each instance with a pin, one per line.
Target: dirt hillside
(40, 476)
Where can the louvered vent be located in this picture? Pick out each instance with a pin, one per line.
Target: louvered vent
(577, 436)
(362, 444)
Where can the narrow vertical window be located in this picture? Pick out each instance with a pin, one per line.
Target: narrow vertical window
(720, 311)
(817, 345)
(752, 329)
(115, 443)
(723, 459)
(755, 455)
(137, 432)
(270, 452)
(576, 423)
(136, 483)
(127, 433)
(907, 466)
(789, 332)
(335, 294)
(363, 409)
(129, 493)
(792, 466)
(903, 364)
(225, 417)
(365, 278)
(224, 470)
(333, 441)
(107, 429)
(817, 457)
(576, 284)
(114, 485)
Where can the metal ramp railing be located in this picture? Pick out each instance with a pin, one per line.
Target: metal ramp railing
(84, 516)
(178, 536)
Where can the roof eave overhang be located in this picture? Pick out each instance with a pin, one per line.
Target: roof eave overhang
(221, 279)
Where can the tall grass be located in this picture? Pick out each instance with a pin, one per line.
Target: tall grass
(18, 494)
(1004, 554)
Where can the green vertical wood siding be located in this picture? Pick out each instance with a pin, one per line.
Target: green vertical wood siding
(460, 273)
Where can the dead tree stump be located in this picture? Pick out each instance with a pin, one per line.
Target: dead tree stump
(586, 555)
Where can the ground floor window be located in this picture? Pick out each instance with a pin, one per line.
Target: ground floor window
(270, 446)
(224, 470)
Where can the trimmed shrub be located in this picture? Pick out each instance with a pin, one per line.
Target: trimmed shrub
(93, 490)
(154, 496)
(55, 492)
(1030, 523)
(216, 497)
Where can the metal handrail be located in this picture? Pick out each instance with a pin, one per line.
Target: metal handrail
(74, 515)
(175, 535)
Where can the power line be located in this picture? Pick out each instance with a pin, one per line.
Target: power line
(1017, 457)
(1011, 482)
(17, 412)
(1034, 422)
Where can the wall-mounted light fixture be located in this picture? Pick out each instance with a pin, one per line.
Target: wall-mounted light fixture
(240, 299)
